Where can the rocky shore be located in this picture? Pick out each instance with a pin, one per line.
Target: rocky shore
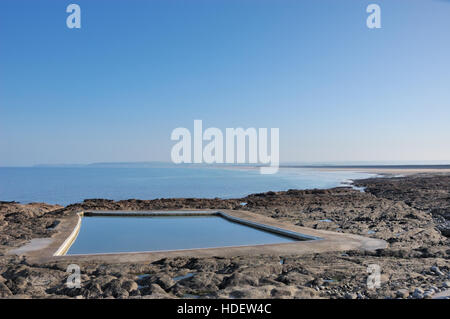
(411, 213)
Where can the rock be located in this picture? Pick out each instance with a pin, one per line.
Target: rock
(428, 294)
(20, 296)
(206, 281)
(437, 271)
(114, 288)
(130, 285)
(122, 293)
(350, 296)
(93, 290)
(295, 278)
(238, 279)
(20, 284)
(4, 291)
(403, 209)
(154, 291)
(435, 289)
(402, 293)
(418, 293)
(247, 293)
(316, 282)
(281, 292)
(165, 282)
(444, 229)
(418, 290)
(305, 293)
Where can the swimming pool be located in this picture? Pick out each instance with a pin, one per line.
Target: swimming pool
(164, 231)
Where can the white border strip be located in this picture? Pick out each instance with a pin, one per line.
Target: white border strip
(268, 228)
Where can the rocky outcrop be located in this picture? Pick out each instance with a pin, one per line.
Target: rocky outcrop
(410, 213)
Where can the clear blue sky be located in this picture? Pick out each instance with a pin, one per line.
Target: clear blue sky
(115, 89)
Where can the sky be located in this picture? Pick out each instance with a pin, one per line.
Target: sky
(114, 90)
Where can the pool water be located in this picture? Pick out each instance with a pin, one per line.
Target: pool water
(100, 234)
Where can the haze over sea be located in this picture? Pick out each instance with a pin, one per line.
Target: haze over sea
(70, 184)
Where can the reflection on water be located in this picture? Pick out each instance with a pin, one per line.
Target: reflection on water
(133, 234)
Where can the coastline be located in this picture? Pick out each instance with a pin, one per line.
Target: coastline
(411, 213)
(391, 171)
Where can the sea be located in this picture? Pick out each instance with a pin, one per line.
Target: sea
(72, 184)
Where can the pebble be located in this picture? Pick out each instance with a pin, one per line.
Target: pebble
(429, 292)
(446, 284)
(437, 271)
(418, 293)
(428, 295)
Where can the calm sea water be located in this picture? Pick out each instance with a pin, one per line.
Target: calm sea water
(130, 234)
(66, 185)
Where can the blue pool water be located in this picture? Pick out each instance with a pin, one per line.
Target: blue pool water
(132, 234)
(67, 185)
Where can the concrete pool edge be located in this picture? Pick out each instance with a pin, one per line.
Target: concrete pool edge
(272, 229)
(329, 241)
(62, 250)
